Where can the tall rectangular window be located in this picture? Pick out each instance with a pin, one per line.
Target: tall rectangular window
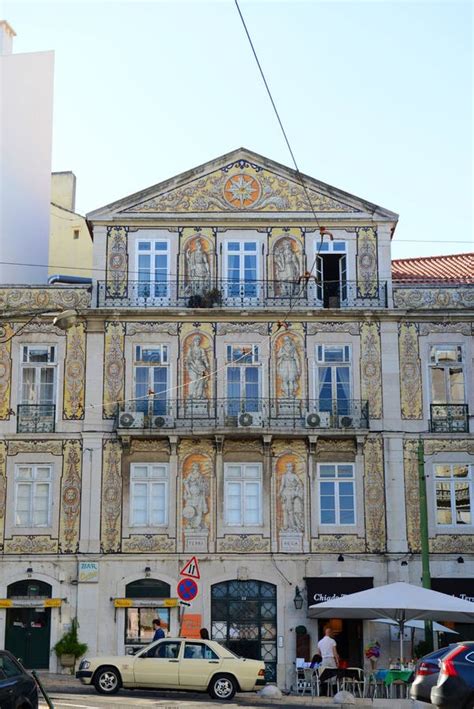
(243, 494)
(447, 374)
(242, 269)
(336, 493)
(453, 489)
(148, 495)
(38, 374)
(151, 369)
(32, 495)
(334, 378)
(243, 379)
(153, 269)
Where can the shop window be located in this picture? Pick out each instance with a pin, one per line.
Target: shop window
(243, 494)
(336, 493)
(148, 495)
(139, 620)
(447, 374)
(32, 495)
(453, 492)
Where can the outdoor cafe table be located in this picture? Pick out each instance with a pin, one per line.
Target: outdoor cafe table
(389, 676)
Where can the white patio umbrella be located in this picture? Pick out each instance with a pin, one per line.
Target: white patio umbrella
(400, 602)
(419, 625)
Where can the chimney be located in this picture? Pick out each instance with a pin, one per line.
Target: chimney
(6, 37)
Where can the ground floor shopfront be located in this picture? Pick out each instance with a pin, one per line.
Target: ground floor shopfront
(250, 603)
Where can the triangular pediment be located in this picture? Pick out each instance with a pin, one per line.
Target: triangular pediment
(238, 183)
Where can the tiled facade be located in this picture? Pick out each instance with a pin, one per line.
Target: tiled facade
(244, 384)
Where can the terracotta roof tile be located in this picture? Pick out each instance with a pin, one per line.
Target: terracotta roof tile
(457, 268)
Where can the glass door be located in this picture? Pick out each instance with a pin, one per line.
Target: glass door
(241, 270)
(153, 269)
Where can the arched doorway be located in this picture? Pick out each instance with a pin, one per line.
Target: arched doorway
(145, 595)
(28, 625)
(244, 618)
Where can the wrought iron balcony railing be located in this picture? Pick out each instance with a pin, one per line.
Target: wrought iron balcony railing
(241, 294)
(449, 418)
(36, 418)
(246, 414)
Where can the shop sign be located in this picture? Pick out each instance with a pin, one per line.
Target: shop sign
(145, 602)
(328, 588)
(6, 603)
(53, 603)
(88, 572)
(462, 588)
(123, 602)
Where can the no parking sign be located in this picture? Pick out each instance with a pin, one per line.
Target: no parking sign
(187, 590)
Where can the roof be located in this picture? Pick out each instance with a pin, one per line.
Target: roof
(455, 268)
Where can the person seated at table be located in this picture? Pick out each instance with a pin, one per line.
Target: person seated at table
(315, 660)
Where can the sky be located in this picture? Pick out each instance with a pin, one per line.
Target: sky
(376, 98)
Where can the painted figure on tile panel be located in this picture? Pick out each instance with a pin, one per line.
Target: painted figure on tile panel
(197, 369)
(288, 367)
(287, 268)
(198, 267)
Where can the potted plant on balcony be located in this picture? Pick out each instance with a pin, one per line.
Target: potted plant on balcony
(68, 648)
(212, 298)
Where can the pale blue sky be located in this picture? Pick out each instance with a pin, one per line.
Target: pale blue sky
(376, 98)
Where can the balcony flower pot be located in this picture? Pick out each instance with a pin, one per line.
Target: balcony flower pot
(68, 648)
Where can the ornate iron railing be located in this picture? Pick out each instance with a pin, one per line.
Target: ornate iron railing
(246, 414)
(242, 294)
(36, 418)
(449, 418)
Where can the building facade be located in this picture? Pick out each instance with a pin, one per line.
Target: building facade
(70, 241)
(245, 384)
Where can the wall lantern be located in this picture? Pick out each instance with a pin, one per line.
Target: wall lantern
(147, 572)
(340, 557)
(29, 571)
(460, 560)
(298, 600)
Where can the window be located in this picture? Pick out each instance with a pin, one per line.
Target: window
(446, 374)
(38, 374)
(199, 651)
(331, 272)
(151, 379)
(336, 493)
(243, 379)
(148, 495)
(243, 494)
(334, 378)
(75, 234)
(242, 269)
(9, 668)
(453, 484)
(32, 495)
(153, 269)
(166, 650)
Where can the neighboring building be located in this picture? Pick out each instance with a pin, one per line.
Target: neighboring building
(26, 98)
(246, 384)
(70, 241)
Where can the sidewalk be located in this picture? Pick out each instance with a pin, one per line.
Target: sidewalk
(67, 684)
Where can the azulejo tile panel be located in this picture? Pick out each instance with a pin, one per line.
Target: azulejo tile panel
(338, 544)
(71, 479)
(153, 543)
(371, 368)
(42, 298)
(367, 271)
(6, 332)
(410, 371)
(74, 373)
(435, 298)
(243, 544)
(117, 261)
(374, 495)
(3, 489)
(31, 544)
(111, 514)
(114, 367)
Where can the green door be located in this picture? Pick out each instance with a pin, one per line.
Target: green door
(28, 629)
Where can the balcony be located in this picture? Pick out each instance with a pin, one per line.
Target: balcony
(35, 418)
(449, 418)
(250, 415)
(241, 294)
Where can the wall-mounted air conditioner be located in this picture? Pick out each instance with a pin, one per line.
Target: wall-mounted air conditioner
(162, 421)
(346, 421)
(322, 419)
(247, 419)
(131, 419)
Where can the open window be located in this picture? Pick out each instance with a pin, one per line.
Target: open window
(331, 271)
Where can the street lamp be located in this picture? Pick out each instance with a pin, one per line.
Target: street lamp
(63, 319)
(298, 600)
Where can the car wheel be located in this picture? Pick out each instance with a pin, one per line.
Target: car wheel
(107, 680)
(222, 687)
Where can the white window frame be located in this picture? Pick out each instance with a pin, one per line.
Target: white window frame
(231, 476)
(151, 252)
(336, 481)
(32, 482)
(149, 481)
(162, 346)
(451, 481)
(37, 366)
(322, 362)
(446, 365)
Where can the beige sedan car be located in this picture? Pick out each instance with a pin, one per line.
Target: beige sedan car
(197, 665)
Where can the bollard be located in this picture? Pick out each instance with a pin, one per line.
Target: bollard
(43, 691)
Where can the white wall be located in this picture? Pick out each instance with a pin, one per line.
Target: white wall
(26, 115)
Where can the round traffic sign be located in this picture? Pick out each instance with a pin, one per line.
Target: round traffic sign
(187, 589)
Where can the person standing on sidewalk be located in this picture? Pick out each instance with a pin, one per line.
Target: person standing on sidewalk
(159, 632)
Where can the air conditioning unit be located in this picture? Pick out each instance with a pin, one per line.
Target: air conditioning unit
(131, 419)
(247, 419)
(318, 420)
(162, 422)
(346, 421)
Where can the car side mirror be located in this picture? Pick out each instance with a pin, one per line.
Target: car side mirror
(130, 651)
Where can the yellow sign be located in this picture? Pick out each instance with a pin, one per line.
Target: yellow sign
(6, 603)
(53, 603)
(123, 602)
(170, 602)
